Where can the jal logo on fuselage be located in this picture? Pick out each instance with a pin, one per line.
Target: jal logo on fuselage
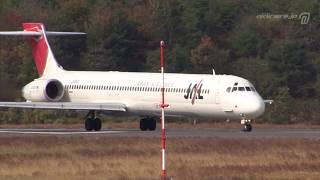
(194, 92)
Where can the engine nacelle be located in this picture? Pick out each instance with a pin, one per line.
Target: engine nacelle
(43, 91)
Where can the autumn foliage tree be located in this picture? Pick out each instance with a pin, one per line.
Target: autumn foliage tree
(207, 56)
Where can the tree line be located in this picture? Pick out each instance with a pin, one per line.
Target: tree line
(280, 56)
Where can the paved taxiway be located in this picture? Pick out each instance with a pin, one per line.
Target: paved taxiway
(172, 133)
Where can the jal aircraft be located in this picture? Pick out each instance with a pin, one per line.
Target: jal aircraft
(210, 96)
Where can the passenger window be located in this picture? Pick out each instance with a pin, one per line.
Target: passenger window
(248, 88)
(228, 89)
(234, 89)
(241, 88)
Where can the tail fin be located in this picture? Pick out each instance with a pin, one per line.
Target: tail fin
(37, 37)
(42, 54)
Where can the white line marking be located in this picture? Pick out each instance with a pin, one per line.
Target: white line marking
(55, 132)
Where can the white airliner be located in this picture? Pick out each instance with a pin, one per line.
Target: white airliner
(216, 97)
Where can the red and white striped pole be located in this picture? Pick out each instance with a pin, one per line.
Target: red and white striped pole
(163, 105)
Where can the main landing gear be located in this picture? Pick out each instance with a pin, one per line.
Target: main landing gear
(92, 122)
(246, 125)
(148, 124)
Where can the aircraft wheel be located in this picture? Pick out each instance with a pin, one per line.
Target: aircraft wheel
(97, 124)
(247, 128)
(152, 124)
(143, 124)
(89, 124)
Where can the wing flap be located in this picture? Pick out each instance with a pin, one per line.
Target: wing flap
(66, 105)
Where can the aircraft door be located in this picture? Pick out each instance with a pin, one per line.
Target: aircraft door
(217, 93)
(228, 100)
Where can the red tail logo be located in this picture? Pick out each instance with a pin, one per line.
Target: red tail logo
(39, 46)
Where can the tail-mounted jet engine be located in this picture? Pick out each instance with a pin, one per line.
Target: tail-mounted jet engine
(43, 91)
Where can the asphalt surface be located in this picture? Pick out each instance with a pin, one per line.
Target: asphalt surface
(172, 133)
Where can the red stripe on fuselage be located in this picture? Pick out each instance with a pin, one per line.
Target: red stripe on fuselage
(39, 46)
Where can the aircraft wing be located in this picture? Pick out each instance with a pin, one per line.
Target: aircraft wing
(67, 105)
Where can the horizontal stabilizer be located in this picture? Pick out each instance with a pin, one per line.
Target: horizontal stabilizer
(34, 33)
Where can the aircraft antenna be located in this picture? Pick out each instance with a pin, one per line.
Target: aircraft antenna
(163, 106)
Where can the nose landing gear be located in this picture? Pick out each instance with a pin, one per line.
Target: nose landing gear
(246, 125)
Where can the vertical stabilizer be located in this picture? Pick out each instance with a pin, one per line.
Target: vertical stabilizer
(43, 57)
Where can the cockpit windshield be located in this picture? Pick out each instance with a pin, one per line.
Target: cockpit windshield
(240, 88)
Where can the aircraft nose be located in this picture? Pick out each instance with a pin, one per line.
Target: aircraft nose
(257, 108)
(253, 107)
